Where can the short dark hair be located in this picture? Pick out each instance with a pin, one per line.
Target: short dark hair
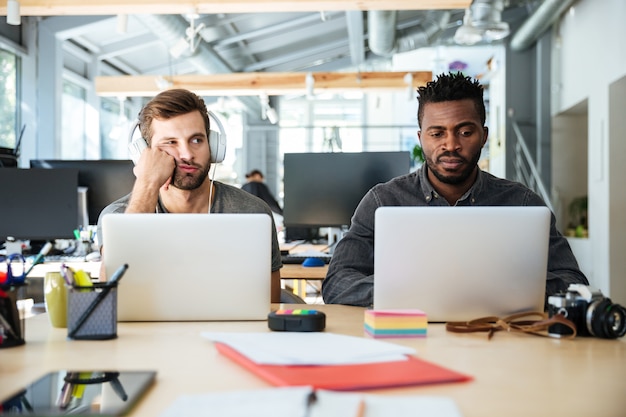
(451, 87)
(168, 104)
(253, 173)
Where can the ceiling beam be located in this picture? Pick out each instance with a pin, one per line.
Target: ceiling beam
(256, 83)
(114, 7)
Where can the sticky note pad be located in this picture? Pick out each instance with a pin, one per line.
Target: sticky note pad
(395, 323)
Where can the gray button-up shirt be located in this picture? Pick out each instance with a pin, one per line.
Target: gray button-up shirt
(350, 277)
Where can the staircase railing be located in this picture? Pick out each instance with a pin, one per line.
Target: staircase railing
(526, 170)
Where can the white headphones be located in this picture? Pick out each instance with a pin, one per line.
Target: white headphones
(217, 142)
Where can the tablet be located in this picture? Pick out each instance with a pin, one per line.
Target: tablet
(76, 392)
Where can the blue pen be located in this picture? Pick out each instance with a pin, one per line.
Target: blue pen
(117, 275)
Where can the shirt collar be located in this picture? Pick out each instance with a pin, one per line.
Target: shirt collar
(430, 193)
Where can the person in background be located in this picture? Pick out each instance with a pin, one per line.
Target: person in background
(451, 118)
(257, 187)
(172, 172)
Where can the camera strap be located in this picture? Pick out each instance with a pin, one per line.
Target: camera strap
(520, 322)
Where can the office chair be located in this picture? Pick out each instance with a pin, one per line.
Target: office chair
(288, 297)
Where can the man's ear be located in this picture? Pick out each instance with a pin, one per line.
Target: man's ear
(486, 135)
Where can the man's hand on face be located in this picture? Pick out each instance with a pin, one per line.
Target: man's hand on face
(155, 167)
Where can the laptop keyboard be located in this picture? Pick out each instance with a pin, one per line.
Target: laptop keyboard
(64, 258)
(298, 259)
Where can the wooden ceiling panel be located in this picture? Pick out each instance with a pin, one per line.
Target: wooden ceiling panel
(257, 83)
(114, 7)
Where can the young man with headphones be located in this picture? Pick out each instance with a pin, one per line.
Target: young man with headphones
(176, 150)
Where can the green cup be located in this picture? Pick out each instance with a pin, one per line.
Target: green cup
(55, 297)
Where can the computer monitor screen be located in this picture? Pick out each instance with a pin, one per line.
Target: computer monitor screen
(38, 204)
(106, 180)
(324, 189)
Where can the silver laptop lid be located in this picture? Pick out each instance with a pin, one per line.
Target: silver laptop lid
(461, 263)
(190, 266)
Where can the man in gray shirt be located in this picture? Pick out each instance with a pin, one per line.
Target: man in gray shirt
(172, 170)
(451, 116)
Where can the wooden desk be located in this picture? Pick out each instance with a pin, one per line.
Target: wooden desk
(514, 374)
(301, 274)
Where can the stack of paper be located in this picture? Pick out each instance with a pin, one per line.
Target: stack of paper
(395, 323)
(329, 361)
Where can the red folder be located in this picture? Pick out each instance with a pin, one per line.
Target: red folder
(412, 371)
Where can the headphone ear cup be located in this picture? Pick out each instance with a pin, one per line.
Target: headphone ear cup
(217, 145)
(217, 141)
(137, 145)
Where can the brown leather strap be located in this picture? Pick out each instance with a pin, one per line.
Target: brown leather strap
(519, 322)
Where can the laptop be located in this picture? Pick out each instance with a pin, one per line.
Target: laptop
(190, 267)
(461, 263)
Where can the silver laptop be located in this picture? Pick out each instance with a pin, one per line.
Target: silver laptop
(461, 263)
(184, 267)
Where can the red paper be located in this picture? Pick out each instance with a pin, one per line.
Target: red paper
(413, 371)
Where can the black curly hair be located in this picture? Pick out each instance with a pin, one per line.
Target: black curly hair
(449, 87)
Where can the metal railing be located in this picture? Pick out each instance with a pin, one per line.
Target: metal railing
(526, 170)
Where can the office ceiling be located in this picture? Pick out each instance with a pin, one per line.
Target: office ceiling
(288, 41)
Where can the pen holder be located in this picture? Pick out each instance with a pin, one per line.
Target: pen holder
(11, 320)
(92, 312)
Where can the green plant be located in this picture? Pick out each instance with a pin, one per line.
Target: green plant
(578, 216)
(417, 154)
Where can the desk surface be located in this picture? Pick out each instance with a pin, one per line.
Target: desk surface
(515, 374)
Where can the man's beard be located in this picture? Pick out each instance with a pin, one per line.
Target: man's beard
(184, 181)
(457, 178)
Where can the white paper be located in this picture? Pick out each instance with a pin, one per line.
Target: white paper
(340, 404)
(258, 403)
(295, 348)
(295, 402)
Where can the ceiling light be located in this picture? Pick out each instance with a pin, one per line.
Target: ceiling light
(267, 112)
(309, 81)
(494, 31)
(467, 34)
(190, 42)
(272, 116)
(122, 23)
(482, 22)
(487, 17)
(408, 80)
(13, 13)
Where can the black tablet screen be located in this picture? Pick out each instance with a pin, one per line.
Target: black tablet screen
(85, 393)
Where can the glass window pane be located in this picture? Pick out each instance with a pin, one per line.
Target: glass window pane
(115, 125)
(73, 115)
(8, 99)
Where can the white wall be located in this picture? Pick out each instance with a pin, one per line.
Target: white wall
(591, 54)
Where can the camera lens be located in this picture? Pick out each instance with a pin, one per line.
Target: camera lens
(607, 320)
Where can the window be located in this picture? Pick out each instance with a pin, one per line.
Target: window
(115, 126)
(74, 113)
(9, 116)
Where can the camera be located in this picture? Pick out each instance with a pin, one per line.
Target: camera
(591, 312)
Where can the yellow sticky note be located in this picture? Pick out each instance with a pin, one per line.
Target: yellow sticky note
(82, 278)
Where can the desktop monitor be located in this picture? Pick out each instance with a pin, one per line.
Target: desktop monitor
(38, 204)
(324, 189)
(106, 180)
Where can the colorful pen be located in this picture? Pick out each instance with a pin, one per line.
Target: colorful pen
(39, 258)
